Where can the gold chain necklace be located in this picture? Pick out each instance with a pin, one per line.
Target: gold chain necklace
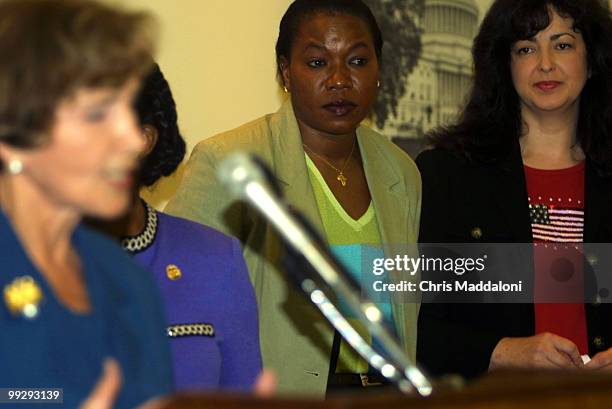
(341, 177)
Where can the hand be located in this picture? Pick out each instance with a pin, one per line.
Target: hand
(544, 350)
(265, 385)
(106, 390)
(601, 361)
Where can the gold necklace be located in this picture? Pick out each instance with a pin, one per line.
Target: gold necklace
(341, 177)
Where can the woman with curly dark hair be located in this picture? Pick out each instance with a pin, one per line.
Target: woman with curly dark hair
(534, 139)
(210, 305)
(156, 111)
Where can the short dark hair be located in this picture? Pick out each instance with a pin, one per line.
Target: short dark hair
(491, 122)
(302, 9)
(50, 49)
(155, 107)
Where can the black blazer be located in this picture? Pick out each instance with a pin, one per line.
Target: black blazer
(461, 195)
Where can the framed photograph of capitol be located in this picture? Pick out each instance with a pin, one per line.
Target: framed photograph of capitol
(426, 71)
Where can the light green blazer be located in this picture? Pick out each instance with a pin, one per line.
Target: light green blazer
(295, 338)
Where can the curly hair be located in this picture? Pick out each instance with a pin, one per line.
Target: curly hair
(155, 107)
(491, 124)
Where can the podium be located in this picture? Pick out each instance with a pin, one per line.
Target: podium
(501, 390)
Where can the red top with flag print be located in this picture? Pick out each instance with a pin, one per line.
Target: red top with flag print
(556, 207)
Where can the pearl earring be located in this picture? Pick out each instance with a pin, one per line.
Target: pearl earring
(15, 166)
(286, 90)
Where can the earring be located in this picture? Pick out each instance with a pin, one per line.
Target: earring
(15, 166)
(286, 90)
(378, 84)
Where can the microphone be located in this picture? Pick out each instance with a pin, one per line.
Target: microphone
(247, 178)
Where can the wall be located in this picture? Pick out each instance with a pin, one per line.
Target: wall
(218, 56)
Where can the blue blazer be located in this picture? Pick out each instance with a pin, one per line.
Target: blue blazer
(62, 349)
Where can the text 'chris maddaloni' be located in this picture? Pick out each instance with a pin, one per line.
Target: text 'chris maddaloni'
(457, 267)
(455, 286)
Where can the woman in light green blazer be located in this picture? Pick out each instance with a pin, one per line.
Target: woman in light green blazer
(353, 184)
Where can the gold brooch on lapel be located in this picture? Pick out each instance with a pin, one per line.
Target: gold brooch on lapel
(173, 272)
(22, 297)
(476, 233)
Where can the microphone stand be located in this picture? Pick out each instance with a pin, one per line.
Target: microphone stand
(247, 178)
(316, 292)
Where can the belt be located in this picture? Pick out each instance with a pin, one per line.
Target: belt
(357, 379)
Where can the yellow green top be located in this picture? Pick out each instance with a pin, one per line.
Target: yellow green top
(355, 243)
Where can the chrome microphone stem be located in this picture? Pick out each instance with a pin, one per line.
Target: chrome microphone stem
(352, 337)
(367, 312)
(290, 230)
(245, 178)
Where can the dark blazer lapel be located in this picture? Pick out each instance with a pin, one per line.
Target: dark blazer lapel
(509, 188)
(598, 199)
